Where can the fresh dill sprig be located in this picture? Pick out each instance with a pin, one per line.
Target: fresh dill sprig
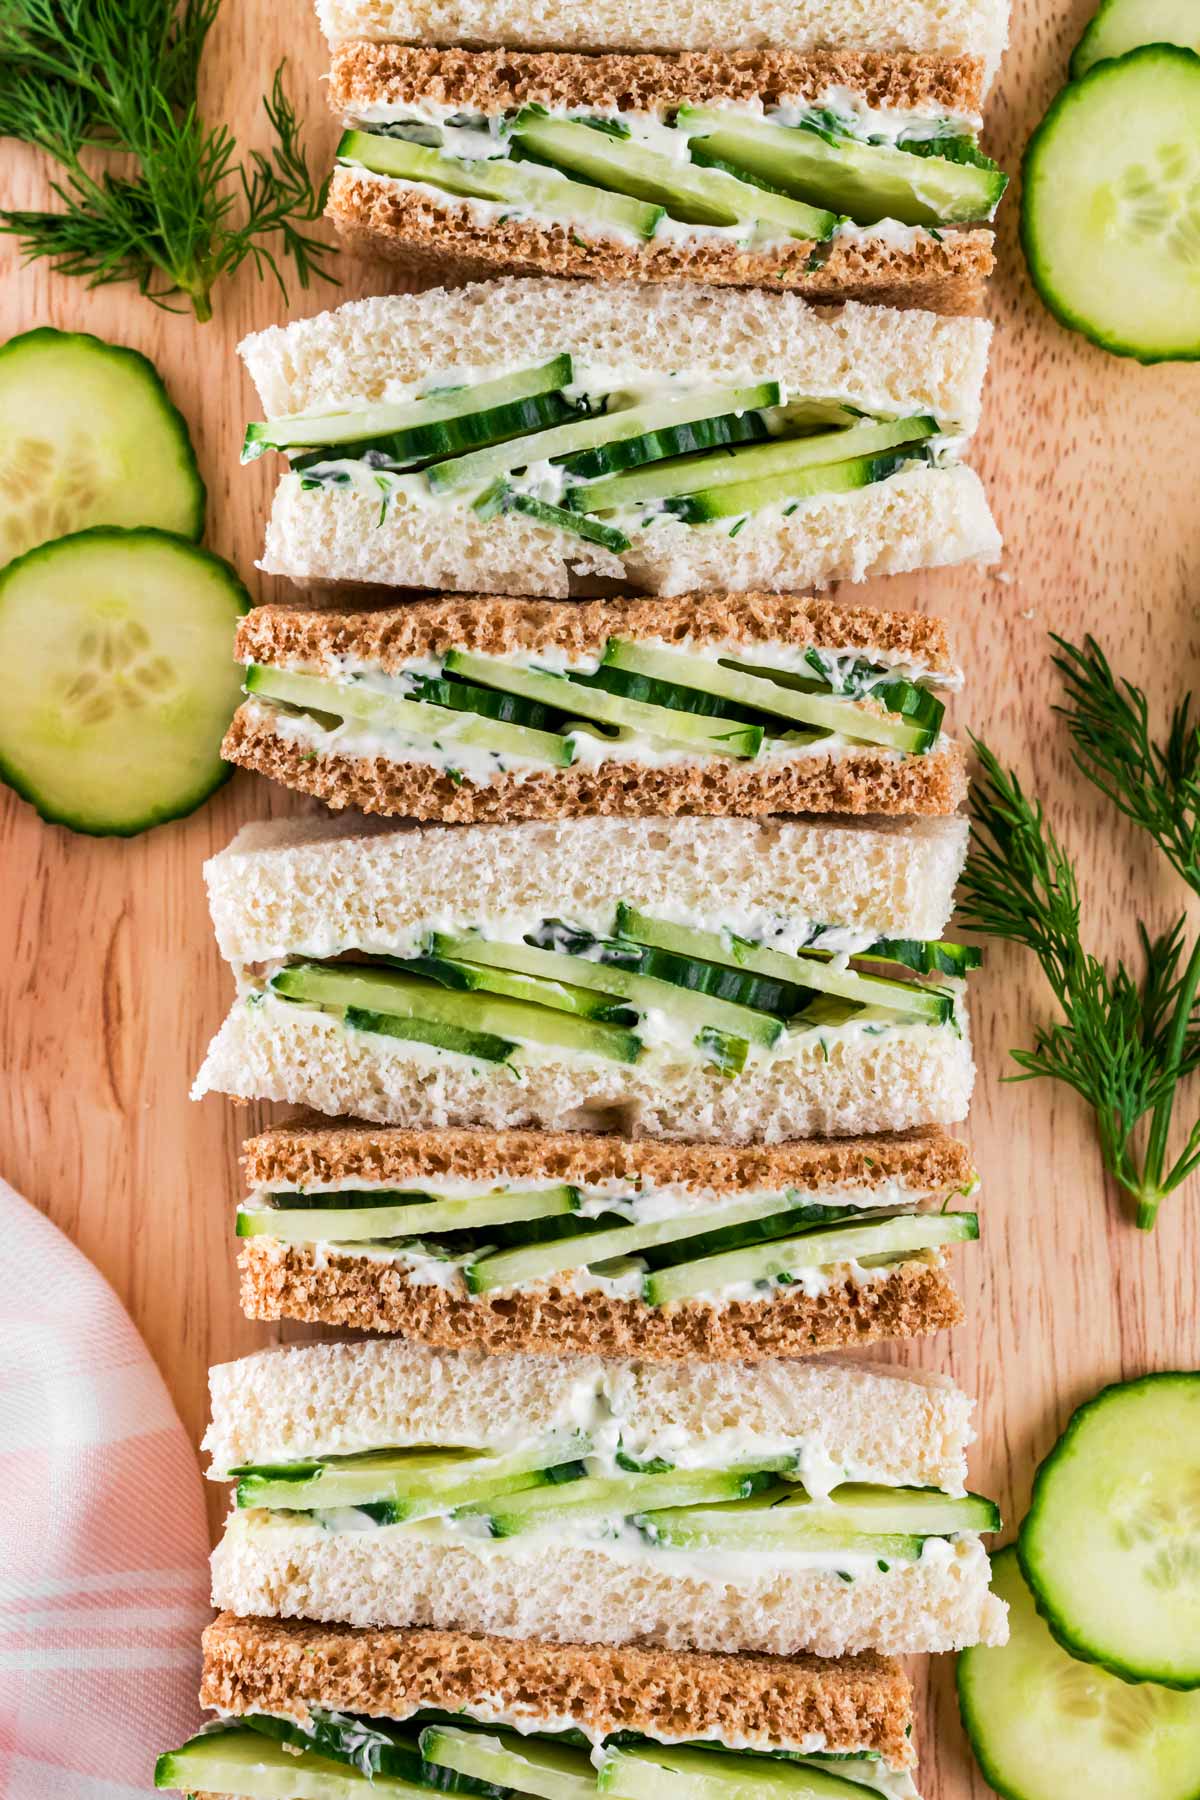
(87, 81)
(1122, 1045)
(1158, 787)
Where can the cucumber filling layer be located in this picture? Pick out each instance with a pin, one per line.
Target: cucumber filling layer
(754, 1507)
(645, 985)
(659, 1248)
(480, 716)
(337, 1756)
(600, 457)
(745, 174)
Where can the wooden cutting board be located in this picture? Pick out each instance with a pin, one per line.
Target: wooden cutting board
(112, 985)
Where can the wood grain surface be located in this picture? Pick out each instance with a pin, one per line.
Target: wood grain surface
(111, 984)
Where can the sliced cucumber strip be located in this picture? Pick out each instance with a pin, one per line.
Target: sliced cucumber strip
(934, 1004)
(537, 1262)
(602, 1497)
(483, 466)
(519, 1764)
(585, 1003)
(552, 195)
(938, 958)
(440, 726)
(120, 684)
(410, 449)
(462, 696)
(1112, 189)
(1040, 1722)
(706, 504)
(300, 1225)
(763, 993)
(1111, 1543)
(414, 1481)
(1122, 25)
(455, 1040)
(501, 498)
(880, 1521)
(91, 438)
(673, 440)
(371, 1747)
(780, 1258)
(867, 182)
(696, 196)
(444, 409)
(642, 991)
(824, 711)
(663, 1772)
(397, 998)
(580, 701)
(753, 462)
(246, 1763)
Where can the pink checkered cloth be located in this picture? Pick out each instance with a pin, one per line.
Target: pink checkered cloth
(103, 1541)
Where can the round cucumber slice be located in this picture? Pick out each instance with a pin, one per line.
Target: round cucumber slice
(121, 679)
(1122, 25)
(1111, 1545)
(1044, 1726)
(1110, 213)
(90, 438)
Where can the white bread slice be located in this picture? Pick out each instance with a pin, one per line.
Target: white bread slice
(952, 27)
(840, 1082)
(897, 1427)
(922, 518)
(569, 1592)
(316, 887)
(894, 363)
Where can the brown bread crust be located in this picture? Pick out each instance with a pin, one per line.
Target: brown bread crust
(286, 1281)
(388, 637)
(491, 81)
(438, 238)
(306, 1151)
(286, 1666)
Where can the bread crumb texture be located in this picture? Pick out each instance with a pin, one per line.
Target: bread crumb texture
(290, 1281)
(442, 239)
(945, 27)
(904, 1427)
(286, 1666)
(571, 1593)
(316, 887)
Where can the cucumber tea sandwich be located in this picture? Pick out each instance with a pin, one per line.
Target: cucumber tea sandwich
(772, 1508)
(351, 1714)
(530, 1241)
(485, 709)
(716, 979)
(835, 174)
(543, 437)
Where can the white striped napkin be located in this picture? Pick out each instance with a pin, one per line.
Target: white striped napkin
(103, 1539)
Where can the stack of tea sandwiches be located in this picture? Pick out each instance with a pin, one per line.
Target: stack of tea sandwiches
(614, 985)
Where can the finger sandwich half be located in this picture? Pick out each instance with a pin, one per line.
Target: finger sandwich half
(772, 1508)
(715, 979)
(352, 1711)
(546, 437)
(835, 174)
(483, 709)
(524, 1240)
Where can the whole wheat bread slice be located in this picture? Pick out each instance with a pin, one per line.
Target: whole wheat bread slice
(286, 1667)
